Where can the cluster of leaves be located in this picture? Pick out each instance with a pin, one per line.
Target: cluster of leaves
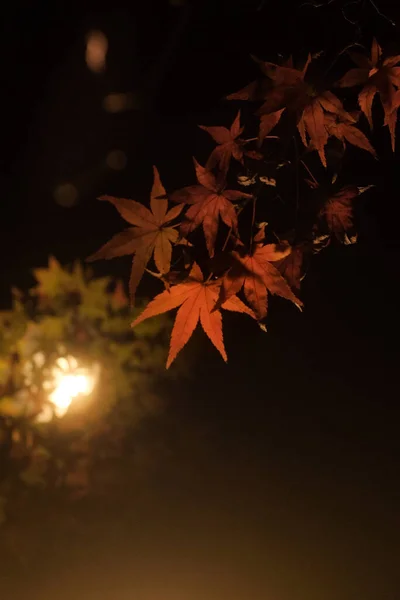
(273, 258)
(70, 313)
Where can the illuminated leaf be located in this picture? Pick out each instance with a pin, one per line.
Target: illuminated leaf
(377, 75)
(197, 301)
(256, 274)
(229, 144)
(150, 235)
(209, 203)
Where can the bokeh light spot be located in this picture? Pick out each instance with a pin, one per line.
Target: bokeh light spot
(96, 51)
(116, 159)
(66, 195)
(117, 102)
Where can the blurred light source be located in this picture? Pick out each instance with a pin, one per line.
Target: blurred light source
(96, 51)
(116, 159)
(118, 102)
(66, 195)
(67, 382)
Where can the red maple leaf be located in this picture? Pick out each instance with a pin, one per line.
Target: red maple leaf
(209, 203)
(312, 121)
(345, 131)
(150, 234)
(337, 211)
(229, 144)
(258, 276)
(376, 75)
(259, 89)
(197, 300)
(291, 266)
(290, 91)
(391, 118)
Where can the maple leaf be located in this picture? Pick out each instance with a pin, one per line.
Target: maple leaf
(312, 120)
(391, 118)
(209, 203)
(289, 91)
(345, 131)
(229, 144)
(52, 280)
(291, 266)
(197, 300)
(337, 211)
(377, 75)
(150, 235)
(258, 276)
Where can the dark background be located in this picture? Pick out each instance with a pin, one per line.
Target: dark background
(275, 477)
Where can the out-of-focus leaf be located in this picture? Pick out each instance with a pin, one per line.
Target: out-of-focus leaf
(34, 474)
(9, 407)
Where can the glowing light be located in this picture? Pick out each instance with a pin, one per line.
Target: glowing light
(96, 51)
(67, 382)
(118, 102)
(116, 160)
(68, 388)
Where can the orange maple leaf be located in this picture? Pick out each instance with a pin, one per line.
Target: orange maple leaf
(197, 300)
(290, 91)
(210, 202)
(229, 144)
(150, 234)
(258, 276)
(345, 131)
(377, 75)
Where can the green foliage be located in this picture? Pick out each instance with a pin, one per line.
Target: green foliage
(69, 313)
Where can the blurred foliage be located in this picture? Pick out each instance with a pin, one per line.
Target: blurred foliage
(71, 313)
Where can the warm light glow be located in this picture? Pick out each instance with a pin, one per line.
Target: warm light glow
(68, 382)
(118, 102)
(96, 51)
(68, 388)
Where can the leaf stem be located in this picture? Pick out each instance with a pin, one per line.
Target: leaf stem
(267, 137)
(296, 149)
(253, 218)
(309, 172)
(228, 236)
(340, 54)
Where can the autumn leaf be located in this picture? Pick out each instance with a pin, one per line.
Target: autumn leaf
(391, 118)
(289, 91)
(150, 235)
(345, 131)
(268, 122)
(376, 75)
(254, 154)
(258, 276)
(209, 202)
(337, 212)
(229, 144)
(291, 266)
(197, 301)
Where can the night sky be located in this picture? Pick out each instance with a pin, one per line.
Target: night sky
(275, 477)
